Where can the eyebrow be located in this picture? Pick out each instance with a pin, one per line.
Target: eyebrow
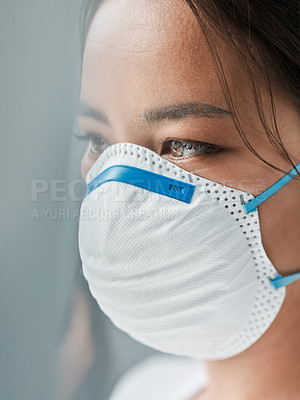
(85, 110)
(172, 112)
(179, 111)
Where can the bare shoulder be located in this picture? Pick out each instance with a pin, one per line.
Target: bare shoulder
(161, 377)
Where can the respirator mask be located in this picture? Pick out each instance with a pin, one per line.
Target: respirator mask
(176, 260)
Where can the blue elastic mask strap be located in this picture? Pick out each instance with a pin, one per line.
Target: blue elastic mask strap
(280, 281)
(157, 183)
(252, 204)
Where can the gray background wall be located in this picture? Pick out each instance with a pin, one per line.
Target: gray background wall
(38, 255)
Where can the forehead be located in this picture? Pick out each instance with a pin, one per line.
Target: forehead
(143, 24)
(149, 51)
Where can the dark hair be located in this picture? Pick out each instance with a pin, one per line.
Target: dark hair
(264, 34)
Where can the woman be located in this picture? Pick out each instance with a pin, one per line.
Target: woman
(191, 110)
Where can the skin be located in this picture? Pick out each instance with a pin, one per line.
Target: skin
(143, 55)
(75, 354)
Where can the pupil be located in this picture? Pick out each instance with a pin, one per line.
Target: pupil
(177, 148)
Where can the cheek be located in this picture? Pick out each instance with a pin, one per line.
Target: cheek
(86, 164)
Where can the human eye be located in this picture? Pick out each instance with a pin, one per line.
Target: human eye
(96, 143)
(184, 149)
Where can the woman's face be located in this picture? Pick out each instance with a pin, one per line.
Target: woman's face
(148, 78)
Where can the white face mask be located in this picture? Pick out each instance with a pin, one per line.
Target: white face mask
(174, 259)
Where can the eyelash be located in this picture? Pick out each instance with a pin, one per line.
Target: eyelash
(95, 140)
(194, 148)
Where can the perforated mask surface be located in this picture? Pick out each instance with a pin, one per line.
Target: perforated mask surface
(187, 279)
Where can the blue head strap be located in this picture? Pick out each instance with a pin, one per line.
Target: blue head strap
(251, 206)
(280, 281)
